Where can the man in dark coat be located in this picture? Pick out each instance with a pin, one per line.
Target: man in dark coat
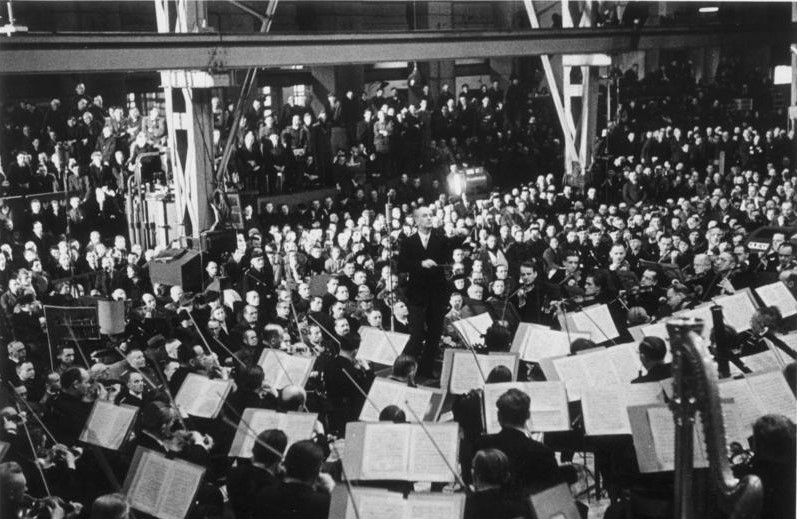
(422, 257)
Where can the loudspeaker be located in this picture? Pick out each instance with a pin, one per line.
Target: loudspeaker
(184, 270)
(216, 243)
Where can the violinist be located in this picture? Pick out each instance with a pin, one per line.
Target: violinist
(347, 380)
(764, 324)
(649, 292)
(569, 277)
(16, 503)
(70, 410)
(678, 298)
(159, 430)
(529, 297)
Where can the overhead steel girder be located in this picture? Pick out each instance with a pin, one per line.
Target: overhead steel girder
(129, 52)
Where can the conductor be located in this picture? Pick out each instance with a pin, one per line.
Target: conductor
(422, 257)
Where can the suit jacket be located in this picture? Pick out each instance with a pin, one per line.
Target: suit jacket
(244, 482)
(532, 465)
(292, 501)
(427, 286)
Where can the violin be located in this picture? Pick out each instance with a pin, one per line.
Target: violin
(182, 438)
(42, 508)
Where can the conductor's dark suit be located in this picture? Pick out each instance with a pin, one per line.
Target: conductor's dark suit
(427, 293)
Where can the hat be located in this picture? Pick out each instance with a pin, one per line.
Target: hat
(254, 231)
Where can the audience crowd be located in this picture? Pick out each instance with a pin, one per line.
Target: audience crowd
(658, 224)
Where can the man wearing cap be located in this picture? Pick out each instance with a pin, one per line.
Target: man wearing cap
(260, 277)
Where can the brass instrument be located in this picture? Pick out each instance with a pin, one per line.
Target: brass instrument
(695, 389)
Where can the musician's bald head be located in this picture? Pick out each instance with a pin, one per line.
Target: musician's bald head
(293, 398)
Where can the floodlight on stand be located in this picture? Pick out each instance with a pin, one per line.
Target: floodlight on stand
(11, 27)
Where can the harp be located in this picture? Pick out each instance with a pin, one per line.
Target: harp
(695, 390)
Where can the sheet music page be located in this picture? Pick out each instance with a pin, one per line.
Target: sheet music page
(473, 328)
(745, 403)
(573, 372)
(778, 294)
(386, 392)
(605, 411)
(419, 400)
(520, 342)
(146, 490)
(773, 394)
(759, 362)
(544, 343)
(201, 396)
(735, 429)
(425, 463)
(599, 368)
(108, 424)
(179, 490)
(435, 506)
(296, 367)
(643, 394)
(380, 346)
(625, 358)
(376, 504)
(658, 329)
(273, 372)
(597, 321)
(662, 429)
(212, 398)
(298, 426)
(737, 309)
(466, 374)
(386, 451)
(548, 406)
(790, 339)
(258, 420)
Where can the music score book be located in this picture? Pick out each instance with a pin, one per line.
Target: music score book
(778, 294)
(162, 487)
(282, 369)
(616, 365)
(605, 409)
(653, 429)
(595, 320)
(373, 503)
(753, 396)
(108, 424)
(201, 396)
(296, 426)
(426, 402)
(473, 328)
(383, 450)
(463, 371)
(533, 342)
(548, 405)
(381, 346)
(555, 503)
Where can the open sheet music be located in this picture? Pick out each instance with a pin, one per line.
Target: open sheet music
(382, 450)
(555, 503)
(605, 409)
(534, 342)
(595, 320)
(162, 487)
(463, 370)
(754, 396)
(296, 426)
(425, 402)
(548, 405)
(381, 346)
(108, 424)
(779, 295)
(373, 503)
(201, 396)
(653, 428)
(617, 365)
(473, 328)
(282, 369)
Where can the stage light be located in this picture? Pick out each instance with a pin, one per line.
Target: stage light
(712, 9)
